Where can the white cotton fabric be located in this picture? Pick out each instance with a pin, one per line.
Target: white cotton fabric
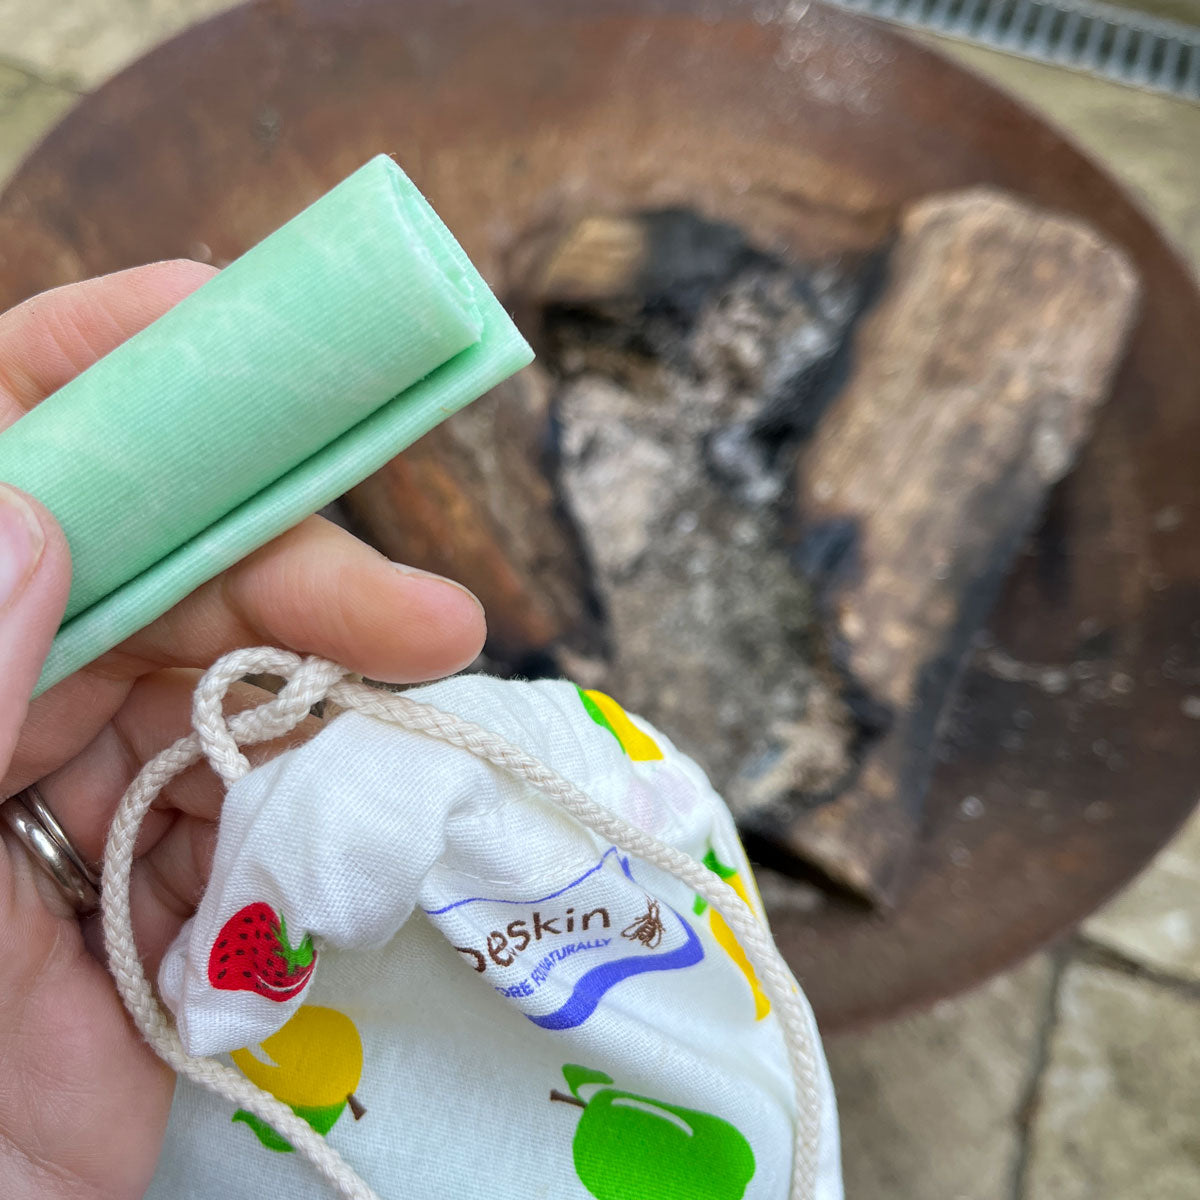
(480, 940)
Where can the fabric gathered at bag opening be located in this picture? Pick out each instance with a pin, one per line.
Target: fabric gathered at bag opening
(309, 681)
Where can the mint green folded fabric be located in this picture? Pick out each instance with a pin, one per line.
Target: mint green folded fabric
(297, 371)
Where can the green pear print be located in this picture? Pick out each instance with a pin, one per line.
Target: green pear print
(630, 1147)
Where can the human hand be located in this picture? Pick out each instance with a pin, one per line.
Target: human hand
(83, 1100)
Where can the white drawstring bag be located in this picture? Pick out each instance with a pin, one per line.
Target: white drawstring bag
(450, 985)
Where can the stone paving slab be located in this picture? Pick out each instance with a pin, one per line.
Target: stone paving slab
(1156, 921)
(1149, 142)
(1118, 1107)
(931, 1105)
(83, 42)
(28, 109)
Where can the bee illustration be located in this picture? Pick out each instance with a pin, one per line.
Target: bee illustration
(648, 928)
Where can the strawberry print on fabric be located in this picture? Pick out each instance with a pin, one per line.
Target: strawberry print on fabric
(252, 954)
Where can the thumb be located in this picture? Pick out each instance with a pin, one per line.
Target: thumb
(35, 576)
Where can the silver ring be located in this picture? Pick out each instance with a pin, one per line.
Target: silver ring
(27, 815)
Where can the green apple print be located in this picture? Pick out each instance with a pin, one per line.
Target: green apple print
(321, 1119)
(629, 1147)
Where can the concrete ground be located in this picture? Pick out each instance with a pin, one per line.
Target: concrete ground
(1074, 1077)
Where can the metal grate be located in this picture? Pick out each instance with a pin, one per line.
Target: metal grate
(1163, 56)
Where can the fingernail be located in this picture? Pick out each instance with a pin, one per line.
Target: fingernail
(21, 542)
(417, 573)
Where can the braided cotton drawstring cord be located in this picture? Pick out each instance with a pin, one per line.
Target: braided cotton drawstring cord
(284, 712)
(308, 681)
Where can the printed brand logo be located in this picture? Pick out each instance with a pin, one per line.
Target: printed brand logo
(556, 956)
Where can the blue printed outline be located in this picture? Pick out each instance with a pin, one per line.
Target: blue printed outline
(591, 986)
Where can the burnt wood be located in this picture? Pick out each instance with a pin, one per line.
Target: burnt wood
(976, 379)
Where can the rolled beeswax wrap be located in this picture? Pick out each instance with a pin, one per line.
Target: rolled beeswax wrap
(290, 376)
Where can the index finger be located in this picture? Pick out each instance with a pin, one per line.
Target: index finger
(49, 339)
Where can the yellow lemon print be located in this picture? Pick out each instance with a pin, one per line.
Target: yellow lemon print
(724, 935)
(313, 1064)
(608, 714)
